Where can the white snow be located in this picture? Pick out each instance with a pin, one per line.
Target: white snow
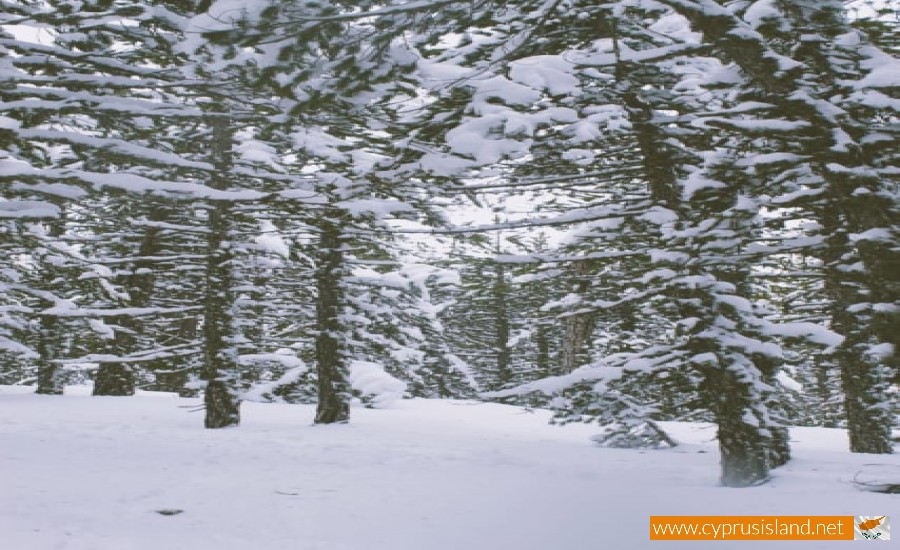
(270, 241)
(762, 12)
(27, 209)
(811, 331)
(885, 75)
(379, 387)
(787, 382)
(89, 473)
(546, 72)
(7, 123)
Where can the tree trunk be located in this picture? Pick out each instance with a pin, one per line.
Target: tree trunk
(542, 342)
(748, 445)
(731, 390)
(865, 375)
(740, 380)
(114, 379)
(49, 337)
(744, 448)
(503, 364)
(868, 417)
(864, 379)
(333, 387)
(863, 301)
(49, 381)
(577, 327)
(778, 434)
(221, 369)
(117, 379)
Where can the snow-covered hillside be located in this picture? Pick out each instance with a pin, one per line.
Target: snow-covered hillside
(91, 473)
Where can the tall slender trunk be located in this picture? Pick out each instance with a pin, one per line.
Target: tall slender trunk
(773, 423)
(331, 362)
(499, 293)
(221, 370)
(856, 205)
(752, 439)
(865, 380)
(577, 327)
(542, 343)
(731, 390)
(118, 379)
(49, 381)
(49, 333)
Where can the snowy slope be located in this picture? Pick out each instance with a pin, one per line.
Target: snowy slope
(88, 473)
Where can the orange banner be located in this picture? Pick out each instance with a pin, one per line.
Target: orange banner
(751, 527)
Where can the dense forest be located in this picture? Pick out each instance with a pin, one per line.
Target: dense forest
(627, 212)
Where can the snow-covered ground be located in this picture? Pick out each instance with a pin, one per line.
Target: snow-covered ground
(90, 473)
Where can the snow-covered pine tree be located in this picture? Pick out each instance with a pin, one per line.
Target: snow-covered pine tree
(32, 337)
(116, 91)
(343, 82)
(792, 285)
(479, 317)
(700, 266)
(703, 263)
(141, 256)
(818, 76)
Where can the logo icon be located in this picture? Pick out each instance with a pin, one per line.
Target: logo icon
(872, 528)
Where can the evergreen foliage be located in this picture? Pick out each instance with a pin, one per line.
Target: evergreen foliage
(693, 209)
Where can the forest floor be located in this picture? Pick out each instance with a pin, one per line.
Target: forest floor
(86, 473)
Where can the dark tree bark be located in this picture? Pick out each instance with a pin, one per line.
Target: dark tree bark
(49, 337)
(542, 342)
(731, 391)
(658, 158)
(221, 371)
(500, 294)
(864, 380)
(745, 453)
(331, 362)
(778, 435)
(118, 379)
(49, 381)
(114, 379)
(868, 417)
(577, 327)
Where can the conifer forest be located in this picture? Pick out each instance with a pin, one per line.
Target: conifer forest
(625, 218)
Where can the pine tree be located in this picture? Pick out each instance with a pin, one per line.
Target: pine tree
(813, 71)
(342, 79)
(125, 80)
(701, 264)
